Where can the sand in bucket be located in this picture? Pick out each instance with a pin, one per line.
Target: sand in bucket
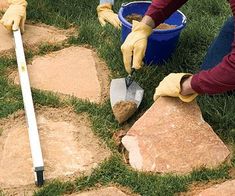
(138, 17)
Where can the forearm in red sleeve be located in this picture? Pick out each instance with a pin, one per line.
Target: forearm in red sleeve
(220, 78)
(160, 10)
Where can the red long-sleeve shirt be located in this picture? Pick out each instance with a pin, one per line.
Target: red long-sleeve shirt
(219, 79)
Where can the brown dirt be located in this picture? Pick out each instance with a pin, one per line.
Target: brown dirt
(103, 74)
(139, 17)
(165, 26)
(124, 110)
(232, 173)
(69, 148)
(117, 137)
(20, 191)
(133, 16)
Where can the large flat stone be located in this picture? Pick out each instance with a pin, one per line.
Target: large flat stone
(225, 189)
(108, 191)
(69, 147)
(34, 36)
(74, 71)
(173, 137)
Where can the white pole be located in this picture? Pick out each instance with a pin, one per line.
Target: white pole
(28, 105)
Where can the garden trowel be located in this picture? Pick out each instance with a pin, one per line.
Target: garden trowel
(29, 110)
(125, 89)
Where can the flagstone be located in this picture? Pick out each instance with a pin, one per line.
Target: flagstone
(73, 71)
(33, 36)
(69, 147)
(106, 191)
(172, 137)
(226, 188)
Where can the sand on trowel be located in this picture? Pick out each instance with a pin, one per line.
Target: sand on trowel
(123, 110)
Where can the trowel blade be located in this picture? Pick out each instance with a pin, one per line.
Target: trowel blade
(120, 92)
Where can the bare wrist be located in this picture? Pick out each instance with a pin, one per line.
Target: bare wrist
(148, 21)
(186, 88)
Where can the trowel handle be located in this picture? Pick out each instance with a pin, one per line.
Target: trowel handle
(132, 72)
(129, 78)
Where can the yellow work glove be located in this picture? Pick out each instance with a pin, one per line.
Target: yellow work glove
(135, 45)
(170, 86)
(15, 16)
(106, 14)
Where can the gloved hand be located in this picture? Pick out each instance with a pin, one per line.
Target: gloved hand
(106, 14)
(15, 16)
(171, 86)
(135, 45)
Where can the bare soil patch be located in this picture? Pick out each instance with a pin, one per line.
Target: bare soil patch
(69, 147)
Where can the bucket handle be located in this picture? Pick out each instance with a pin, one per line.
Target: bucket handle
(184, 20)
(126, 4)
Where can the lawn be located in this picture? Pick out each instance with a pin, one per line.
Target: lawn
(204, 19)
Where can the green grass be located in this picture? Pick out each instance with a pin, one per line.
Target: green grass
(204, 19)
(113, 171)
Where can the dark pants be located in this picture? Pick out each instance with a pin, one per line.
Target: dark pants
(221, 46)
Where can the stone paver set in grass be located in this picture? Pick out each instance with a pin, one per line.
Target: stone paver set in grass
(69, 147)
(71, 74)
(226, 188)
(170, 137)
(33, 36)
(173, 137)
(107, 191)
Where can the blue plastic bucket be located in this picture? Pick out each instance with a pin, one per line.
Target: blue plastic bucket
(161, 43)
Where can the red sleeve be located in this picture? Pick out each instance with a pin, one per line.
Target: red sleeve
(220, 78)
(160, 10)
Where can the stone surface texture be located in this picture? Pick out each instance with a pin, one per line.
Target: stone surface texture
(3, 5)
(225, 189)
(108, 191)
(20, 191)
(33, 36)
(68, 144)
(72, 71)
(173, 137)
